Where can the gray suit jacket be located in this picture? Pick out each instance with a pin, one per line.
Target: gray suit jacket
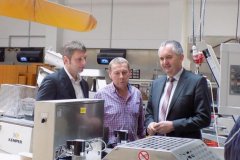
(189, 108)
(58, 86)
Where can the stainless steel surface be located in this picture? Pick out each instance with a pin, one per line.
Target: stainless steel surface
(161, 147)
(76, 125)
(61, 120)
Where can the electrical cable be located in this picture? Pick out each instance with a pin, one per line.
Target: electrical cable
(214, 112)
(202, 19)
(198, 56)
(62, 151)
(200, 26)
(201, 30)
(193, 23)
(236, 36)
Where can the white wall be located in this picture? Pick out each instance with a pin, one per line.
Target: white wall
(14, 33)
(135, 24)
(220, 17)
(129, 24)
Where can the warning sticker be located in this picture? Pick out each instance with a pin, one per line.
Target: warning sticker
(143, 155)
(83, 110)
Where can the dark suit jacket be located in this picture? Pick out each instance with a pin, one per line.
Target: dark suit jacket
(189, 108)
(58, 86)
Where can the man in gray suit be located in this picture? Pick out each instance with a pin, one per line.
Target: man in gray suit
(188, 104)
(66, 83)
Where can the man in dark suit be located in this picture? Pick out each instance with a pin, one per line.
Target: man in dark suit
(66, 83)
(188, 104)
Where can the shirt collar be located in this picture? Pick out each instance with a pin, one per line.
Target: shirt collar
(79, 78)
(177, 76)
(113, 88)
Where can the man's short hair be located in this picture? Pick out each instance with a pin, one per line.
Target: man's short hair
(175, 45)
(118, 60)
(70, 47)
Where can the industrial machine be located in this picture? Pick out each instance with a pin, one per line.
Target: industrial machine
(15, 135)
(227, 76)
(144, 85)
(162, 147)
(16, 126)
(122, 136)
(95, 79)
(230, 79)
(211, 59)
(59, 122)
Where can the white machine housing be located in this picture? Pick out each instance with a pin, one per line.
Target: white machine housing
(230, 72)
(57, 121)
(15, 135)
(162, 147)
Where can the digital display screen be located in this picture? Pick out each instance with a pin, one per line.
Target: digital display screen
(104, 61)
(23, 59)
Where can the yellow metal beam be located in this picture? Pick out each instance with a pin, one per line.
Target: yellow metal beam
(48, 13)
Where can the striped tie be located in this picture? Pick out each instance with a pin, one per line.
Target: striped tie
(163, 109)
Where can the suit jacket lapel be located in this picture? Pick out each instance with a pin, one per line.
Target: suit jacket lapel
(67, 84)
(181, 84)
(84, 89)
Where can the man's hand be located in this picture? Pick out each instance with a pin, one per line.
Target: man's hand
(163, 127)
(151, 128)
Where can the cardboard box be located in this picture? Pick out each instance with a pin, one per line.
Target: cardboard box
(22, 79)
(14, 74)
(9, 73)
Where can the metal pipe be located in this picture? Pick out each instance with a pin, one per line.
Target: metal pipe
(193, 36)
(111, 25)
(200, 27)
(236, 36)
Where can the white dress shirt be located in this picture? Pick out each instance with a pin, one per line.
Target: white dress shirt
(76, 84)
(175, 82)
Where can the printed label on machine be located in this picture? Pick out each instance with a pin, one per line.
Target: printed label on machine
(83, 110)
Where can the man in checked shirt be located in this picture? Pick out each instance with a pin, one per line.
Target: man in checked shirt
(123, 107)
